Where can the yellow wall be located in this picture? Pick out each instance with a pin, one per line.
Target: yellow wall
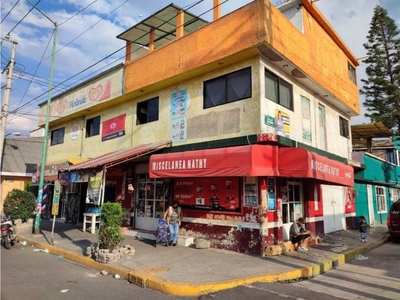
(235, 37)
(224, 121)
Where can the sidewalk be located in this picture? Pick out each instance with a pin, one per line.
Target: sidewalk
(187, 271)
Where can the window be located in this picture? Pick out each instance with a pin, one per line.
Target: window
(147, 111)
(57, 136)
(228, 88)
(344, 127)
(93, 127)
(278, 90)
(394, 194)
(352, 73)
(381, 199)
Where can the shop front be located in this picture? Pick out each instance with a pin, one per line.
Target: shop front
(221, 192)
(318, 188)
(106, 178)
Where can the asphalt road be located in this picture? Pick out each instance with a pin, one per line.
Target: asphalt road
(377, 277)
(26, 274)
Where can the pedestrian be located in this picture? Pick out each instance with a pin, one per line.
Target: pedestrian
(363, 229)
(298, 234)
(173, 216)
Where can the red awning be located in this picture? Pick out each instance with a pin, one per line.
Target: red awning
(120, 156)
(250, 160)
(299, 162)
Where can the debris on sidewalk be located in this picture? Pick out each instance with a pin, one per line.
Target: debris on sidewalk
(64, 291)
(23, 243)
(41, 250)
(117, 276)
(104, 272)
(361, 257)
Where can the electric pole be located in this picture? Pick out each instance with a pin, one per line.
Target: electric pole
(4, 108)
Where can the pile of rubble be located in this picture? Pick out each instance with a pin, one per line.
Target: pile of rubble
(105, 256)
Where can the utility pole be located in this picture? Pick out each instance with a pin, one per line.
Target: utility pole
(39, 199)
(4, 108)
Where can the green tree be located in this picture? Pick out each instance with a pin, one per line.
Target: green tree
(19, 205)
(382, 86)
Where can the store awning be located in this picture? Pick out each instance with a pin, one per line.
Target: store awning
(120, 156)
(52, 168)
(249, 160)
(301, 163)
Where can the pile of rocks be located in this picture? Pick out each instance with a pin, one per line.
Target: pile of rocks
(105, 256)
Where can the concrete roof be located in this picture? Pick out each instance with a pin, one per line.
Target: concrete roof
(21, 155)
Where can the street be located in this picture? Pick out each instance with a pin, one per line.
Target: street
(26, 274)
(377, 277)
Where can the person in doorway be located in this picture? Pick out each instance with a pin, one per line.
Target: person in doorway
(298, 234)
(363, 229)
(173, 216)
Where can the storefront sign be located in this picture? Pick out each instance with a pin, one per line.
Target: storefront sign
(218, 193)
(113, 128)
(299, 162)
(251, 160)
(94, 187)
(75, 130)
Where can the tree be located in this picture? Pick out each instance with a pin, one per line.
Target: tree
(19, 204)
(382, 86)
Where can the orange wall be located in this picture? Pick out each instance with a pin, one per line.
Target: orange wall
(237, 35)
(18, 183)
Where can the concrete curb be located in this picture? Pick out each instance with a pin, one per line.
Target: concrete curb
(147, 277)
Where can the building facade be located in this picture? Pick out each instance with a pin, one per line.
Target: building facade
(244, 120)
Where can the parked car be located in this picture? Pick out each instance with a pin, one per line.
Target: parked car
(393, 221)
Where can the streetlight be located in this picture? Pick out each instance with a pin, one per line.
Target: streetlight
(39, 199)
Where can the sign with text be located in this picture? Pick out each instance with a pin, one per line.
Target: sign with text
(215, 193)
(56, 198)
(113, 128)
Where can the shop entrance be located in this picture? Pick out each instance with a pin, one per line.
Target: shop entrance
(152, 198)
(292, 206)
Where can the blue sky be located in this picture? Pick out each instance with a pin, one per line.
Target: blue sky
(90, 36)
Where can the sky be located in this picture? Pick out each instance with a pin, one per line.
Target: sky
(86, 42)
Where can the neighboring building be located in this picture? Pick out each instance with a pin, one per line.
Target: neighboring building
(244, 120)
(18, 165)
(377, 183)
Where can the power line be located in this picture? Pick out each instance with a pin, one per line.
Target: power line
(19, 22)
(96, 63)
(9, 11)
(77, 13)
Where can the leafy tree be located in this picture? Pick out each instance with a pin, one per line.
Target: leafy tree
(19, 204)
(29, 187)
(382, 86)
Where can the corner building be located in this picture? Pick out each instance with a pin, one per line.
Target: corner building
(243, 119)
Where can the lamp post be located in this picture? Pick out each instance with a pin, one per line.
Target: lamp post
(45, 139)
(46, 129)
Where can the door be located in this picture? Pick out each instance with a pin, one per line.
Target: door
(371, 213)
(152, 195)
(333, 208)
(292, 206)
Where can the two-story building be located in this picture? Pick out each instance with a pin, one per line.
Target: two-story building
(244, 120)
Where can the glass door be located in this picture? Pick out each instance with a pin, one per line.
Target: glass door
(292, 206)
(152, 197)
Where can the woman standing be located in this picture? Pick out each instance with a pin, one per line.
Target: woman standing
(173, 216)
